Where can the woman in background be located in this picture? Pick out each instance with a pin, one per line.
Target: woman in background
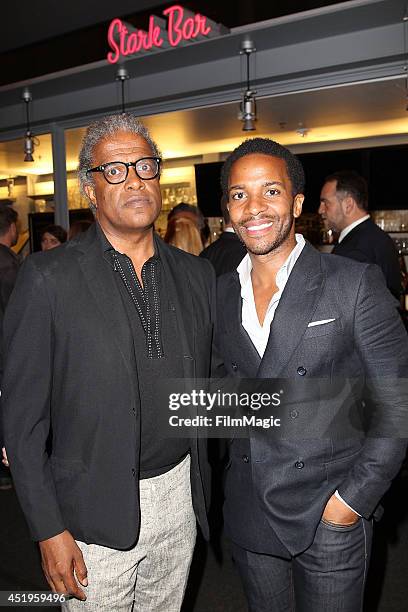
(52, 236)
(183, 234)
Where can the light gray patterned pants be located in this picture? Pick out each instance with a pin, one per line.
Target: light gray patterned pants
(152, 576)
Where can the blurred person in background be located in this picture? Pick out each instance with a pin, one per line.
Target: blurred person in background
(344, 209)
(188, 211)
(182, 233)
(78, 227)
(228, 251)
(52, 236)
(9, 264)
(9, 261)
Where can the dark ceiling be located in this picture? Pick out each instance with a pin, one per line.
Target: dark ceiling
(44, 36)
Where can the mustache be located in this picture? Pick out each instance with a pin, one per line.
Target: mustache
(250, 218)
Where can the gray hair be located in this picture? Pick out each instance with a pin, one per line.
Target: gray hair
(101, 129)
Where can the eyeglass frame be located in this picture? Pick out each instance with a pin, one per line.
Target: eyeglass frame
(101, 168)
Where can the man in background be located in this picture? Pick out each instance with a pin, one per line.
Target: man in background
(9, 264)
(228, 251)
(344, 209)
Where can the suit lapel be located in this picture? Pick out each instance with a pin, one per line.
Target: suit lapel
(294, 312)
(181, 296)
(232, 308)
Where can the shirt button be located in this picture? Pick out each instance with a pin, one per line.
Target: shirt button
(133, 472)
(294, 414)
(299, 465)
(245, 458)
(301, 371)
(234, 366)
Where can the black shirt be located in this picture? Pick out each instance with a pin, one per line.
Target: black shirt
(158, 355)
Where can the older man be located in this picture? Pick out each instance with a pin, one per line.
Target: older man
(307, 496)
(91, 329)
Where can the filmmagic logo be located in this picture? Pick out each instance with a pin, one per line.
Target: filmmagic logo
(223, 399)
(224, 421)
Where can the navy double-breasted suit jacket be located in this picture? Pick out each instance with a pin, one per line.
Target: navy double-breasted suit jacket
(277, 485)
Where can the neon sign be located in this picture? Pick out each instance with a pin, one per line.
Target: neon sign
(182, 26)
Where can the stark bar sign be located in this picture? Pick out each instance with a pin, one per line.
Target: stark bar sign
(182, 26)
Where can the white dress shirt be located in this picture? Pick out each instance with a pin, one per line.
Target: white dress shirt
(350, 227)
(258, 333)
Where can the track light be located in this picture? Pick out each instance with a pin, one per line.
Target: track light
(248, 106)
(28, 147)
(248, 103)
(122, 75)
(29, 140)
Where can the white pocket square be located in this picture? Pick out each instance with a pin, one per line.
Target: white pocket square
(322, 322)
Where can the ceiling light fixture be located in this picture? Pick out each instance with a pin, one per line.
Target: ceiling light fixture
(248, 103)
(30, 142)
(122, 75)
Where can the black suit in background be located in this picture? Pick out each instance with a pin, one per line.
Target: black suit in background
(368, 243)
(9, 264)
(70, 367)
(226, 253)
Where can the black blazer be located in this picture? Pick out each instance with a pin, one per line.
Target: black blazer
(370, 244)
(9, 264)
(226, 253)
(277, 484)
(70, 373)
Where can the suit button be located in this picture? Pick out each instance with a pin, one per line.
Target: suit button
(301, 371)
(245, 458)
(234, 366)
(133, 472)
(294, 414)
(299, 465)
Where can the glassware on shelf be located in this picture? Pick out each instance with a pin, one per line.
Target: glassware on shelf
(40, 206)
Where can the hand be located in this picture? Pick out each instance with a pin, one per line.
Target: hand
(4, 458)
(338, 513)
(61, 556)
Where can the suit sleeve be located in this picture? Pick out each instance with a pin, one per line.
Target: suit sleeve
(26, 399)
(382, 343)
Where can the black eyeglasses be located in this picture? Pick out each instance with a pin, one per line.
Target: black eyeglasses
(146, 168)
